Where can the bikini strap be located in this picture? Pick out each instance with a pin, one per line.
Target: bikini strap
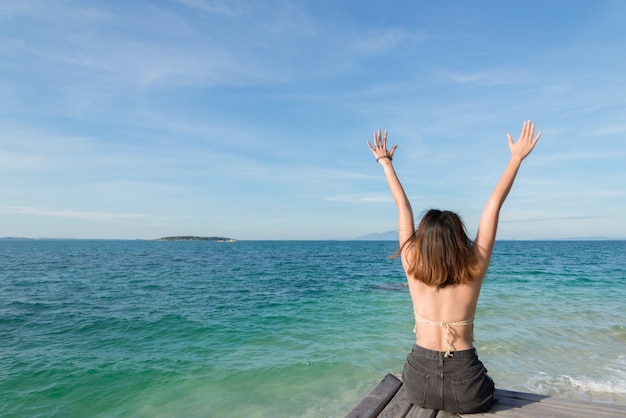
(445, 325)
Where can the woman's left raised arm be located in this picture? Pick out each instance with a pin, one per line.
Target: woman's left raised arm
(486, 235)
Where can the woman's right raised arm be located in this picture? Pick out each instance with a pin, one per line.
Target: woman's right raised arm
(486, 235)
(406, 227)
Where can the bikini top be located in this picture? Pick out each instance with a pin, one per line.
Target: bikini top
(445, 325)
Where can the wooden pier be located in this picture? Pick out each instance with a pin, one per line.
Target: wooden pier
(387, 400)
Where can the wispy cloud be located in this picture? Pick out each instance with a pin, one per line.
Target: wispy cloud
(11, 44)
(489, 75)
(613, 129)
(551, 219)
(377, 41)
(216, 7)
(356, 199)
(12, 8)
(21, 161)
(85, 54)
(69, 213)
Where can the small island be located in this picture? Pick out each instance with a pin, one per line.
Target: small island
(195, 238)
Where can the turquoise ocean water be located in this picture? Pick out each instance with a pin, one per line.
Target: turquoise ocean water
(283, 328)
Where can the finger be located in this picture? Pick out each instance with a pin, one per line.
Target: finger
(531, 130)
(510, 138)
(371, 147)
(385, 141)
(537, 138)
(525, 129)
(393, 149)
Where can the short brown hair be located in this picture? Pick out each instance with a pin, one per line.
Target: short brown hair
(441, 253)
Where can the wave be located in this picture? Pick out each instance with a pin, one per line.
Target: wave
(605, 384)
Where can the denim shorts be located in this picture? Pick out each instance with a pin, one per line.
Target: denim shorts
(457, 384)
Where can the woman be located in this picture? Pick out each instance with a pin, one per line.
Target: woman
(445, 271)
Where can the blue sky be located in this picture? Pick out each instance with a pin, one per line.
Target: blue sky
(249, 119)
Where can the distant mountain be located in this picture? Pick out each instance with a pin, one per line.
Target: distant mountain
(195, 238)
(379, 236)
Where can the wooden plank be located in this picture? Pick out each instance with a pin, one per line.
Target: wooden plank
(388, 400)
(513, 404)
(565, 402)
(398, 407)
(377, 399)
(446, 414)
(417, 412)
(510, 405)
(401, 407)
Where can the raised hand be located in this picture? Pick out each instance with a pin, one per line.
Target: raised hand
(525, 143)
(379, 149)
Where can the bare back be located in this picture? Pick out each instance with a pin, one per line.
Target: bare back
(437, 310)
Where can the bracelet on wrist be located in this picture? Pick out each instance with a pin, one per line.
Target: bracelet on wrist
(384, 156)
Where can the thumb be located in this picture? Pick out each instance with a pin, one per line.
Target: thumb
(510, 140)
